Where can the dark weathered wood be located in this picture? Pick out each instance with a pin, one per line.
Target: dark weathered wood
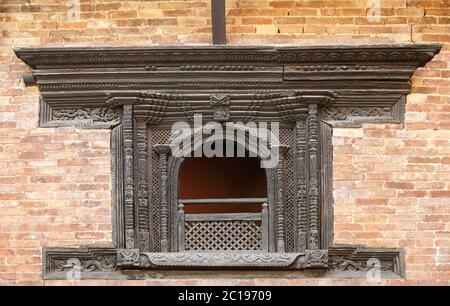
(301, 189)
(223, 217)
(313, 189)
(366, 83)
(219, 31)
(163, 151)
(265, 227)
(128, 135)
(344, 261)
(280, 200)
(223, 201)
(141, 183)
(307, 90)
(326, 194)
(181, 227)
(117, 157)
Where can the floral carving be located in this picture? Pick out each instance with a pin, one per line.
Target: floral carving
(97, 264)
(221, 106)
(346, 112)
(346, 263)
(91, 115)
(229, 259)
(128, 257)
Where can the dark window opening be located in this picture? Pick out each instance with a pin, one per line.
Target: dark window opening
(225, 203)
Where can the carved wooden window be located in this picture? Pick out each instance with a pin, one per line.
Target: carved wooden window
(140, 92)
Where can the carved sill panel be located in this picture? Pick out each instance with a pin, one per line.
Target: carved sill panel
(108, 263)
(227, 260)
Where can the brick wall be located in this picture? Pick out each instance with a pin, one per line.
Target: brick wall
(392, 184)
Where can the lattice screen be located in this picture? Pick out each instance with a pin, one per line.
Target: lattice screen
(223, 235)
(287, 138)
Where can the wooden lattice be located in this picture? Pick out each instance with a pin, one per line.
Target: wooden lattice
(223, 235)
(156, 137)
(287, 138)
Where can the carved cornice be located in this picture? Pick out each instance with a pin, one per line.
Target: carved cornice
(39, 58)
(360, 79)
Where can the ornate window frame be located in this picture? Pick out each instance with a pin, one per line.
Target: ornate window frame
(139, 91)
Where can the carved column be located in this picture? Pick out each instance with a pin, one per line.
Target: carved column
(280, 201)
(163, 151)
(181, 228)
(301, 188)
(128, 172)
(143, 208)
(117, 164)
(313, 192)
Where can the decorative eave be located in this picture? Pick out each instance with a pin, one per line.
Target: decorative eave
(77, 57)
(367, 83)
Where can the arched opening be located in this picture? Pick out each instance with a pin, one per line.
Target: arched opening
(225, 197)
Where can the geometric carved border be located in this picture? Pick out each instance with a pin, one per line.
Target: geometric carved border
(369, 82)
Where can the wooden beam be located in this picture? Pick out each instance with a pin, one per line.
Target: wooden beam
(219, 32)
(223, 217)
(224, 201)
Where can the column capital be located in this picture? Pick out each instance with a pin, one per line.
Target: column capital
(281, 148)
(161, 149)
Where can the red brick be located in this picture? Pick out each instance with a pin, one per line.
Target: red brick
(425, 160)
(122, 15)
(282, 4)
(257, 20)
(399, 185)
(440, 194)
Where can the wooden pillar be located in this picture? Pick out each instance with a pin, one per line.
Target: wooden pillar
(313, 192)
(181, 228)
(128, 172)
(265, 227)
(142, 179)
(163, 151)
(280, 201)
(301, 188)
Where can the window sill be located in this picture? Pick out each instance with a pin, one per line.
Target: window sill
(223, 260)
(106, 262)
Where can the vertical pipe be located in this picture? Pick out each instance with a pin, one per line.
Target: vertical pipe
(219, 32)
